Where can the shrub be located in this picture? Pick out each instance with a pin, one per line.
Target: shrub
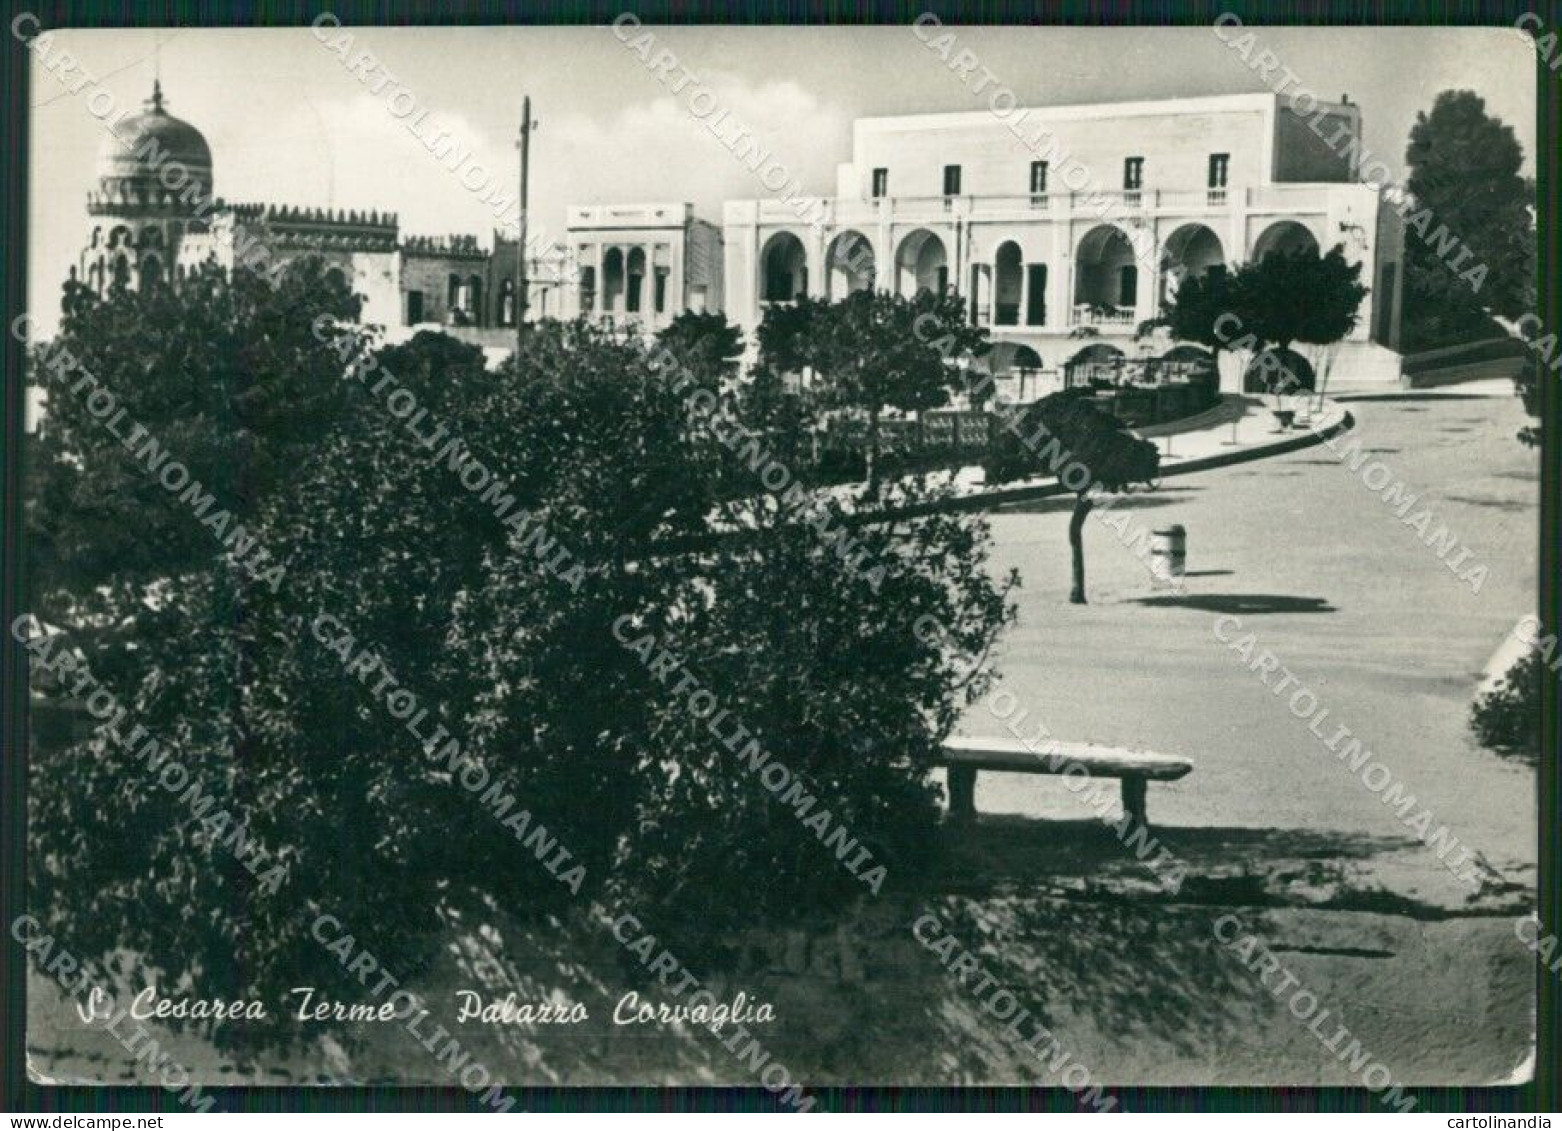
(505, 638)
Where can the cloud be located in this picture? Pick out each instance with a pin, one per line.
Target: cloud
(660, 150)
(353, 152)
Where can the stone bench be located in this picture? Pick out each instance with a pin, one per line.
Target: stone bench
(965, 757)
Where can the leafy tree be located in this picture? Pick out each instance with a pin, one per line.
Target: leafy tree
(1196, 311)
(877, 350)
(1464, 179)
(787, 334)
(704, 342)
(488, 575)
(1507, 717)
(1280, 300)
(228, 379)
(1332, 307)
(231, 378)
(1065, 430)
(788, 417)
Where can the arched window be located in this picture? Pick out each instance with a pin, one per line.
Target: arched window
(783, 268)
(1106, 278)
(849, 265)
(1286, 237)
(612, 280)
(1191, 251)
(1279, 370)
(634, 280)
(151, 272)
(921, 264)
(1009, 276)
(121, 271)
(1099, 363)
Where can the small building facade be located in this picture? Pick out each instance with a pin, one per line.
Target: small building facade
(641, 265)
(1067, 223)
(153, 219)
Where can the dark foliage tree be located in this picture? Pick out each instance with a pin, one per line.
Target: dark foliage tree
(1271, 304)
(1465, 185)
(1300, 296)
(1526, 383)
(705, 343)
(1201, 311)
(483, 560)
(1507, 718)
(1331, 307)
(231, 378)
(787, 334)
(1064, 432)
(875, 350)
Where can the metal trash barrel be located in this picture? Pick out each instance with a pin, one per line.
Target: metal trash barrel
(1169, 554)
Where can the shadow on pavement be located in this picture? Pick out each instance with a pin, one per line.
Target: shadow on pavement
(1005, 852)
(1245, 604)
(1510, 505)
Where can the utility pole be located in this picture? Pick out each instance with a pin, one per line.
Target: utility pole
(521, 290)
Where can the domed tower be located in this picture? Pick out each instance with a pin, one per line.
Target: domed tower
(154, 184)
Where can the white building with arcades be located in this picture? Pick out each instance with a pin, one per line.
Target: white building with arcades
(1065, 232)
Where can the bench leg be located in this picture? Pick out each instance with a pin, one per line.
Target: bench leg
(1135, 800)
(962, 793)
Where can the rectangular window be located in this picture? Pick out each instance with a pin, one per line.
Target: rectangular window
(1218, 164)
(414, 307)
(1133, 174)
(1038, 177)
(1036, 294)
(661, 292)
(880, 183)
(951, 180)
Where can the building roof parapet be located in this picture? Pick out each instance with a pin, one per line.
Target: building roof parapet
(449, 247)
(288, 214)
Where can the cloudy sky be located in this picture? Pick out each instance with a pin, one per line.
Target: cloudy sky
(288, 124)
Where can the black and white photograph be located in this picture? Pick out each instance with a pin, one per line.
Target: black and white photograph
(781, 559)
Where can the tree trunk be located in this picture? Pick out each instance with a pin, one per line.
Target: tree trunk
(873, 449)
(1076, 540)
(1283, 386)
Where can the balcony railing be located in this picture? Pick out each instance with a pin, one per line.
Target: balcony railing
(1088, 314)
